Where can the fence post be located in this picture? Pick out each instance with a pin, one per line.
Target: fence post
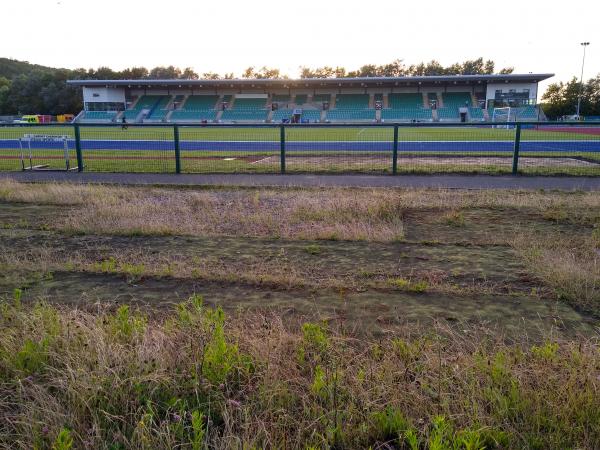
(177, 152)
(515, 163)
(395, 152)
(282, 143)
(78, 148)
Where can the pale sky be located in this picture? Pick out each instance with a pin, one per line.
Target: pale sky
(228, 36)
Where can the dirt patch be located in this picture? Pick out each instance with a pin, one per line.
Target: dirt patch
(372, 312)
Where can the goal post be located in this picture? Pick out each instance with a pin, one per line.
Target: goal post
(502, 115)
(38, 150)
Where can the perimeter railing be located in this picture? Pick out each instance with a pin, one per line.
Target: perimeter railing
(537, 148)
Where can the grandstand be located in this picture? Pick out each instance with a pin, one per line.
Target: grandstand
(450, 98)
(196, 108)
(246, 109)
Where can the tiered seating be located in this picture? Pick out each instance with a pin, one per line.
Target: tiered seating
(405, 108)
(406, 114)
(159, 111)
(184, 115)
(301, 99)
(98, 116)
(200, 102)
(281, 98)
(350, 115)
(476, 113)
(281, 114)
(526, 113)
(246, 109)
(446, 114)
(249, 103)
(197, 107)
(250, 115)
(352, 101)
(405, 101)
(145, 102)
(456, 99)
(312, 115)
(320, 98)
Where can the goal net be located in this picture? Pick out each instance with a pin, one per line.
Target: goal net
(45, 152)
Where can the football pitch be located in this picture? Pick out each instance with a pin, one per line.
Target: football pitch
(218, 149)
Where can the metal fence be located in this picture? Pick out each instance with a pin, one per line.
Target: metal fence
(570, 148)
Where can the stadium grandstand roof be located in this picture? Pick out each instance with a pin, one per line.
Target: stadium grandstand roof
(363, 81)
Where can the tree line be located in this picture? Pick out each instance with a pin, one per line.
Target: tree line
(29, 89)
(560, 99)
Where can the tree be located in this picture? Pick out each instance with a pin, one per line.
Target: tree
(165, 73)
(249, 73)
(189, 74)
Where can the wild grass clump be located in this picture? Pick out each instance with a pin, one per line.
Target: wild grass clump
(196, 379)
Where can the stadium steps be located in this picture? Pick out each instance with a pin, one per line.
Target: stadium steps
(332, 101)
(474, 102)
(323, 116)
(425, 100)
(371, 101)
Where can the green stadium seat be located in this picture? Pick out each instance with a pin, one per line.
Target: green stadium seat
(301, 99)
(406, 115)
(321, 98)
(456, 99)
(98, 116)
(352, 101)
(350, 115)
(405, 101)
(249, 115)
(200, 102)
(448, 114)
(476, 114)
(281, 98)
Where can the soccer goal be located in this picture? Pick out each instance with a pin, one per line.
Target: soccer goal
(502, 115)
(45, 152)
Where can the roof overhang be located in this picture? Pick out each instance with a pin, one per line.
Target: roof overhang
(318, 82)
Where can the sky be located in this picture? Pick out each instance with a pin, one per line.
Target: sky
(228, 36)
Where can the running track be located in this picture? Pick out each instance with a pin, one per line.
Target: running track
(563, 146)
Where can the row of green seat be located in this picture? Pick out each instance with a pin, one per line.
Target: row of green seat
(405, 101)
(456, 99)
(343, 115)
(195, 115)
(251, 115)
(406, 114)
(312, 115)
(249, 103)
(352, 101)
(99, 115)
(200, 102)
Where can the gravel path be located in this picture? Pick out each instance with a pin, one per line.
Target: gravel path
(401, 181)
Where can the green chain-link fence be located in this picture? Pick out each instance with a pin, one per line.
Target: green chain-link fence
(527, 148)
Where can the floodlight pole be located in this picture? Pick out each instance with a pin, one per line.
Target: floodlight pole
(584, 45)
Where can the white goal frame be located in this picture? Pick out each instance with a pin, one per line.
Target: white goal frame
(498, 116)
(25, 146)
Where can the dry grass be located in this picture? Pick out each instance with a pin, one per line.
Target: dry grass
(571, 266)
(115, 380)
(347, 214)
